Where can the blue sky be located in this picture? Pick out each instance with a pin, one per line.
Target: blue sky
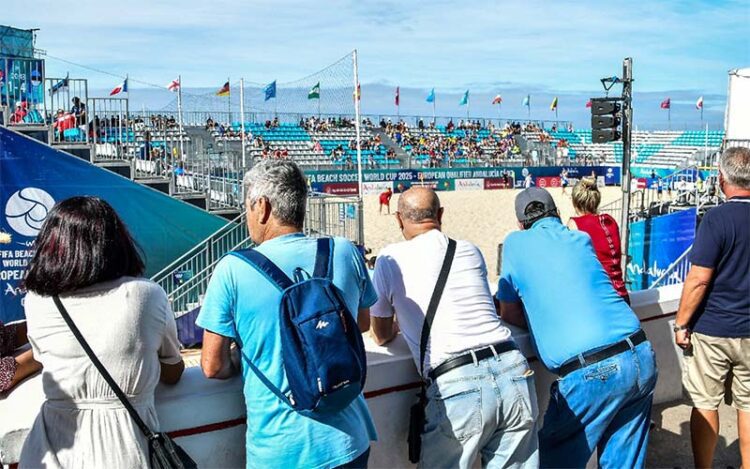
(681, 48)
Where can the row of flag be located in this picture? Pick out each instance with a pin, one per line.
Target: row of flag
(314, 93)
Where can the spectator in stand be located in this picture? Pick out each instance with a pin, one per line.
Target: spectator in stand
(552, 283)
(713, 320)
(15, 366)
(79, 111)
(96, 271)
(481, 400)
(241, 306)
(603, 230)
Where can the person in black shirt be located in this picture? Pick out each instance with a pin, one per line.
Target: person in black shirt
(713, 320)
(78, 110)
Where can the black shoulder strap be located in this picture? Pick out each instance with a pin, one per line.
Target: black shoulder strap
(105, 374)
(324, 259)
(434, 301)
(264, 265)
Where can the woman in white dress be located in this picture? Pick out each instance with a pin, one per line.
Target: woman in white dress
(85, 255)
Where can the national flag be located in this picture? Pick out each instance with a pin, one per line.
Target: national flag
(398, 96)
(497, 100)
(699, 103)
(589, 103)
(431, 96)
(666, 104)
(314, 92)
(527, 101)
(465, 99)
(553, 106)
(224, 90)
(61, 85)
(358, 93)
(270, 90)
(174, 85)
(121, 88)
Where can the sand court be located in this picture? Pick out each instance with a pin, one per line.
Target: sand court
(483, 217)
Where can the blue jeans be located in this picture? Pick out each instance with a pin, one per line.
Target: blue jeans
(488, 409)
(607, 406)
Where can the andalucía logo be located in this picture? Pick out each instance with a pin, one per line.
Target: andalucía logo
(27, 209)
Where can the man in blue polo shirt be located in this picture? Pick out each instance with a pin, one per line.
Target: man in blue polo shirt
(242, 306)
(583, 331)
(713, 321)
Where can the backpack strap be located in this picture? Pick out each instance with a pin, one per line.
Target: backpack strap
(434, 301)
(264, 265)
(324, 259)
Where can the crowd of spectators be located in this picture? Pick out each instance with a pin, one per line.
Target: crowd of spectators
(317, 124)
(435, 147)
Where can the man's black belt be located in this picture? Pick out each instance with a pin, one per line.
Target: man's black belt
(590, 358)
(481, 354)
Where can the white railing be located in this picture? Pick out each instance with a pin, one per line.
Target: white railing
(185, 280)
(675, 273)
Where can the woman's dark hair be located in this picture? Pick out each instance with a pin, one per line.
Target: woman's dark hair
(81, 243)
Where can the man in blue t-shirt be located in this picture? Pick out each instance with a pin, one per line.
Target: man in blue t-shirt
(713, 321)
(584, 332)
(242, 306)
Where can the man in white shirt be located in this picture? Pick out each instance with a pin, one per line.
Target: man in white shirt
(480, 395)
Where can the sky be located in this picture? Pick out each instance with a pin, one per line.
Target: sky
(681, 49)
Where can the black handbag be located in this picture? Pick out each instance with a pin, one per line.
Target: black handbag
(417, 411)
(163, 452)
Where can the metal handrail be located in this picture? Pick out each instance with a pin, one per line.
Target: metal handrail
(676, 272)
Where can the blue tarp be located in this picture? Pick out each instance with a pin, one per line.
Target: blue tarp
(33, 176)
(655, 243)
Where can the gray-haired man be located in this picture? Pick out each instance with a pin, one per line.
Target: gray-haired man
(713, 321)
(242, 306)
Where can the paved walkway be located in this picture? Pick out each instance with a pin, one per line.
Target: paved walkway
(669, 444)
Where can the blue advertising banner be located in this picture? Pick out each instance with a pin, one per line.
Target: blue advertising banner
(21, 80)
(319, 179)
(34, 176)
(655, 244)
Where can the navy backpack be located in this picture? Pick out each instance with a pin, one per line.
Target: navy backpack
(322, 348)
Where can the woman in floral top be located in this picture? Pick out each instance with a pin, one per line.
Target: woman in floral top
(14, 369)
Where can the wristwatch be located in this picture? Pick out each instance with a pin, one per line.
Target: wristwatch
(677, 328)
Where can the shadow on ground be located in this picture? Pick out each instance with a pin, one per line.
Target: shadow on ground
(669, 442)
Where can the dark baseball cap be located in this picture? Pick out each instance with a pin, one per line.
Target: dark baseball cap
(534, 202)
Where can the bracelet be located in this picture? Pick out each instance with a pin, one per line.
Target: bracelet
(677, 328)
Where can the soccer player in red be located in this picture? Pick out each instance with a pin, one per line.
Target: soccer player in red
(385, 199)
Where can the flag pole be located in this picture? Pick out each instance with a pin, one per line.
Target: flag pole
(398, 103)
(468, 106)
(242, 122)
(320, 91)
(360, 186)
(705, 141)
(434, 98)
(229, 102)
(179, 115)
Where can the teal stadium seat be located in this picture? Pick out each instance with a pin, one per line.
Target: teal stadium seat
(698, 138)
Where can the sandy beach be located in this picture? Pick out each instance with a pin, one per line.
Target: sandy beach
(483, 217)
